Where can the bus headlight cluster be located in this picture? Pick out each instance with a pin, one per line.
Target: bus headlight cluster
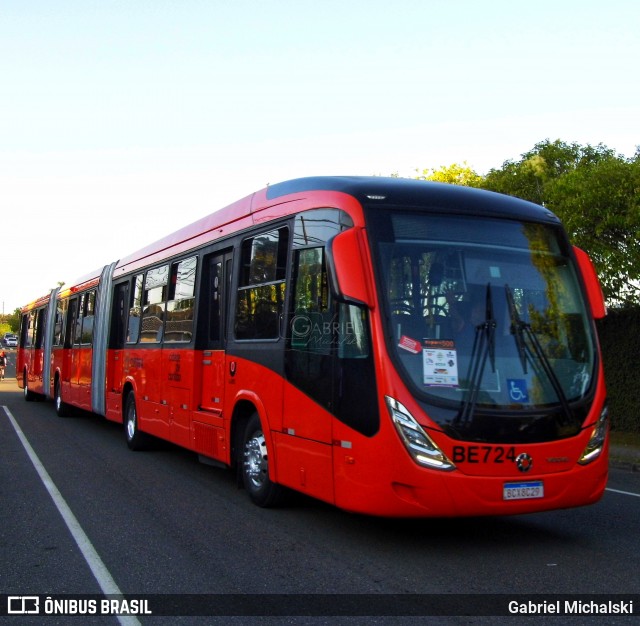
(420, 446)
(598, 437)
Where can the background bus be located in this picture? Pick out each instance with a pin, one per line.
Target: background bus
(390, 346)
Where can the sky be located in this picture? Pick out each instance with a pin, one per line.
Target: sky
(124, 120)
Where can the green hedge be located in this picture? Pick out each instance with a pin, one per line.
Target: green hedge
(620, 342)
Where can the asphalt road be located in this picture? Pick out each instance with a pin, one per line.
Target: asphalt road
(160, 522)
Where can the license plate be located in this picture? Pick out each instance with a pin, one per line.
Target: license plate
(523, 491)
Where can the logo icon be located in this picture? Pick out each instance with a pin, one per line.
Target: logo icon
(524, 462)
(23, 605)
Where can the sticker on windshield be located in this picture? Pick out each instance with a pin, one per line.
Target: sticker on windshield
(439, 363)
(411, 345)
(518, 389)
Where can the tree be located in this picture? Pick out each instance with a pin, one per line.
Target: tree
(10, 323)
(454, 174)
(599, 204)
(14, 320)
(596, 194)
(530, 177)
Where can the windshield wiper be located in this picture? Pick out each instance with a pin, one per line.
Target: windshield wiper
(529, 345)
(483, 346)
(517, 328)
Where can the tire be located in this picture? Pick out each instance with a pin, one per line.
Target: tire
(136, 439)
(62, 408)
(29, 396)
(254, 467)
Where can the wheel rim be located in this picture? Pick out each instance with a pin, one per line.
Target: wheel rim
(256, 466)
(131, 421)
(58, 398)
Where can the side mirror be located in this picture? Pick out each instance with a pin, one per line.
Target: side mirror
(345, 263)
(590, 277)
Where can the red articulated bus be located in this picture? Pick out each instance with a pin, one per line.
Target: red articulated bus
(393, 347)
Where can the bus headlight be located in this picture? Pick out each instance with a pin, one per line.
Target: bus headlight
(420, 446)
(598, 437)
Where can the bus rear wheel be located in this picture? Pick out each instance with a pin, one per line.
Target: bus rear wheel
(29, 396)
(136, 439)
(62, 408)
(255, 467)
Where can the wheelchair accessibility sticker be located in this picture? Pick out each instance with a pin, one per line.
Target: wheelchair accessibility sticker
(518, 389)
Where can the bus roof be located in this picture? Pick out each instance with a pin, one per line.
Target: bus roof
(366, 189)
(383, 191)
(418, 193)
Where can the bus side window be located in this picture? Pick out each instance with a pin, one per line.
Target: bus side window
(77, 340)
(32, 328)
(155, 295)
(311, 322)
(61, 313)
(88, 316)
(309, 355)
(41, 322)
(180, 306)
(261, 293)
(25, 337)
(353, 338)
(84, 320)
(135, 310)
(72, 312)
(119, 313)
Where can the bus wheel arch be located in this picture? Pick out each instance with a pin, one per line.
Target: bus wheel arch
(253, 458)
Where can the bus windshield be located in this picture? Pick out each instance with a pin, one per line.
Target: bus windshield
(485, 317)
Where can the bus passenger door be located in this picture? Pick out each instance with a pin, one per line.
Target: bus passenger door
(214, 297)
(84, 347)
(117, 337)
(115, 352)
(69, 373)
(38, 364)
(309, 365)
(26, 345)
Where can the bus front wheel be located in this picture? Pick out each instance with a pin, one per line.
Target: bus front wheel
(255, 467)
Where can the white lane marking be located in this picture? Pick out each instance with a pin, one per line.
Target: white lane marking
(626, 493)
(99, 569)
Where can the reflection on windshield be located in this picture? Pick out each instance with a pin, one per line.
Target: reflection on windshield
(485, 314)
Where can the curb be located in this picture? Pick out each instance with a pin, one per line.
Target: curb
(624, 457)
(631, 466)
